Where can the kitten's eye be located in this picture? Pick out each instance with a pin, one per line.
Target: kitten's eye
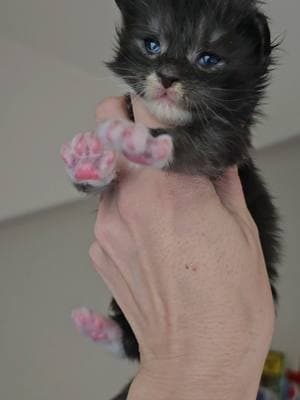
(208, 60)
(152, 46)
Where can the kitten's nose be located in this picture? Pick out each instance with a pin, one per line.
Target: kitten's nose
(167, 80)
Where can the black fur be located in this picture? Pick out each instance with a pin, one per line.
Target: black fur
(223, 101)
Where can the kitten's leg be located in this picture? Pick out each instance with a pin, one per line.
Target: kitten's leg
(91, 158)
(100, 329)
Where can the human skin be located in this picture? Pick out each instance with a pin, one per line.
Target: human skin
(182, 257)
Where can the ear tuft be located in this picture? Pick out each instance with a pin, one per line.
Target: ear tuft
(125, 6)
(265, 34)
(119, 3)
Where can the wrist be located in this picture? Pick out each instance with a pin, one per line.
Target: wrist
(185, 380)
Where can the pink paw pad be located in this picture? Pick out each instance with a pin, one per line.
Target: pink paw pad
(88, 161)
(95, 326)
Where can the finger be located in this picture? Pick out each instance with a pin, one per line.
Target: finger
(111, 107)
(116, 284)
(230, 191)
(110, 275)
(142, 114)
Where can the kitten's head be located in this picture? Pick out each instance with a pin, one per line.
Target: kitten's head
(195, 59)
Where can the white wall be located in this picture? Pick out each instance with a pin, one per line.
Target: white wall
(45, 272)
(43, 104)
(281, 166)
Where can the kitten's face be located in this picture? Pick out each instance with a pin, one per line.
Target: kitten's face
(192, 59)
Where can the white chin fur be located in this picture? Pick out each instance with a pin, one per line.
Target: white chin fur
(168, 114)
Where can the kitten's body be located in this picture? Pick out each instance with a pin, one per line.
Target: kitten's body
(212, 107)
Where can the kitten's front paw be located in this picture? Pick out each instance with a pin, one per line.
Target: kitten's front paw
(88, 162)
(91, 158)
(136, 143)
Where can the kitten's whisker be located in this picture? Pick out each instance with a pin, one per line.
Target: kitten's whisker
(218, 116)
(217, 89)
(200, 112)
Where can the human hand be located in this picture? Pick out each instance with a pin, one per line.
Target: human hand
(183, 259)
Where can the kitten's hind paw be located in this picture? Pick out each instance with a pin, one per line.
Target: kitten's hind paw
(88, 163)
(99, 329)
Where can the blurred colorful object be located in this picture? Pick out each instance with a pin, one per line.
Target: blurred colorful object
(273, 373)
(276, 383)
(266, 394)
(274, 365)
(292, 385)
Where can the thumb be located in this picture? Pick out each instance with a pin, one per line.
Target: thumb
(230, 191)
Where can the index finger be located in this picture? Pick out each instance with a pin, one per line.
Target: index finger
(111, 107)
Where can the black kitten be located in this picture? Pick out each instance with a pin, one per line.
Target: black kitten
(201, 66)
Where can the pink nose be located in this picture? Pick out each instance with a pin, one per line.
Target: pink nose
(167, 80)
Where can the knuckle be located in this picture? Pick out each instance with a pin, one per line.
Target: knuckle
(102, 232)
(107, 107)
(98, 258)
(93, 251)
(107, 103)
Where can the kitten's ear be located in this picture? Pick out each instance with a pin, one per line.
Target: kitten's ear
(126, 6)
(265, 45)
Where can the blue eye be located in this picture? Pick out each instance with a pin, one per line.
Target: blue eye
(152, 46)
(208, 60)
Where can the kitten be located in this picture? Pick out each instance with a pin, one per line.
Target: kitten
(201, 66)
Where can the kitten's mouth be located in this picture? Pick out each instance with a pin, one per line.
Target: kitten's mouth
(167, 97)
(166, 103)
(157, 93)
